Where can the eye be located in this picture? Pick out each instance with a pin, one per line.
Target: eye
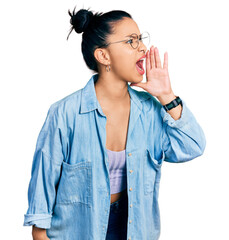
(130, 41)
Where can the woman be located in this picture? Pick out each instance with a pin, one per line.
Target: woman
(97, 164)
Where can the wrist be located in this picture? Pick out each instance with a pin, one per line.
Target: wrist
(166, 98)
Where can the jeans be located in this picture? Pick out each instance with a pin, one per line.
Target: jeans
(117, 225)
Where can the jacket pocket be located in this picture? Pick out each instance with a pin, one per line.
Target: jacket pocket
(75, 184)
(152, 171)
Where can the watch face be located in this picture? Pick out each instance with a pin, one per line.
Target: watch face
(171, 104)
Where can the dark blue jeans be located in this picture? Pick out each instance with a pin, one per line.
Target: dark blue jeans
(117, 226)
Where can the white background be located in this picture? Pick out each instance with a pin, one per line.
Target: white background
(39, 67)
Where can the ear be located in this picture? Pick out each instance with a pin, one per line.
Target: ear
(102, 56)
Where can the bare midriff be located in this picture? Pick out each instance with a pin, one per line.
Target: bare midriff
(116, 196)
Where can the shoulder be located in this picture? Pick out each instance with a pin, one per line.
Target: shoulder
(67, 106)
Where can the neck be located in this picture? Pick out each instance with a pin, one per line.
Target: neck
(111, 88)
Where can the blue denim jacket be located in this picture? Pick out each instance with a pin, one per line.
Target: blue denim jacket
(69, 189)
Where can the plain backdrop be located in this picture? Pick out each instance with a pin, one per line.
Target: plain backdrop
(39, 67)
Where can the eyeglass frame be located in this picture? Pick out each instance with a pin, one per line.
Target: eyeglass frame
(138, 36)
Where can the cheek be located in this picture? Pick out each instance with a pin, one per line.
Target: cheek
(123, 59)
(124, 62)
(124, 66)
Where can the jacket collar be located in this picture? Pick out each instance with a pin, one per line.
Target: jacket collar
(90, 102)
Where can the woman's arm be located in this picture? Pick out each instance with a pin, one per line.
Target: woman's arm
(46, 171)
(182, 139)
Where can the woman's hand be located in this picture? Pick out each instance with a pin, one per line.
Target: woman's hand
(39, 233)
(158, 82)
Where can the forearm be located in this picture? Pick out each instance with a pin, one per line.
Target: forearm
(175, 112)
(39, 233)
(184, 139)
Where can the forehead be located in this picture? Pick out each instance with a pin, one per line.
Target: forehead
(125, 27)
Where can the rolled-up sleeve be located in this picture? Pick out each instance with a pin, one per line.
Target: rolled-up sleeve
(182, 139)
(45, 173)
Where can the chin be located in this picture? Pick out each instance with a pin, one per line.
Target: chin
(141, 78)
(135, 79)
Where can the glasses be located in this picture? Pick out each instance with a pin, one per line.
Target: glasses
(134, 40)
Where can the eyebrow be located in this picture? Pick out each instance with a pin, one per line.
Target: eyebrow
(132, 34)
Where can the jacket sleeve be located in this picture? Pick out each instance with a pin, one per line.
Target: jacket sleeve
(182, 139)
(45, 173)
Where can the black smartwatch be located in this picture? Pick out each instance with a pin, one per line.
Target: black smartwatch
(174, 103)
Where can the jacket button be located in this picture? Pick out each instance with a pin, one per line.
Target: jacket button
(129, 238)
(131, 171)
(129, 154)
(130, 189)
(131, 205)
(130, 221)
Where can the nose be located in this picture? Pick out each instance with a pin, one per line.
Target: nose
(142, 47)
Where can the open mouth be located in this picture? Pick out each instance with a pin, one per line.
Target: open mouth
(139, 66)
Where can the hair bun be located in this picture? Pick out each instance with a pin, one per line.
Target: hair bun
(80, 20)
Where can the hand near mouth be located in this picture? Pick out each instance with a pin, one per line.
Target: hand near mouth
(158, 81)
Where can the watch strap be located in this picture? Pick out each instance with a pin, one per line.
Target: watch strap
(174, 103)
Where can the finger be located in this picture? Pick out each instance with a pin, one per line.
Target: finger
(157, 57)
(165, 65)
(152, 59)
(148, 65)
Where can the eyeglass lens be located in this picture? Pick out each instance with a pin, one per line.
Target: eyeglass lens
(144, 37)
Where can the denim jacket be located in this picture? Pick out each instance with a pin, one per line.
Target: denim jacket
(69, 189)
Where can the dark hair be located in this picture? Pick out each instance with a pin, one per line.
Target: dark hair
(96, 28)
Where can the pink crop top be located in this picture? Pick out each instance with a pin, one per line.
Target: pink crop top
(117, 170)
